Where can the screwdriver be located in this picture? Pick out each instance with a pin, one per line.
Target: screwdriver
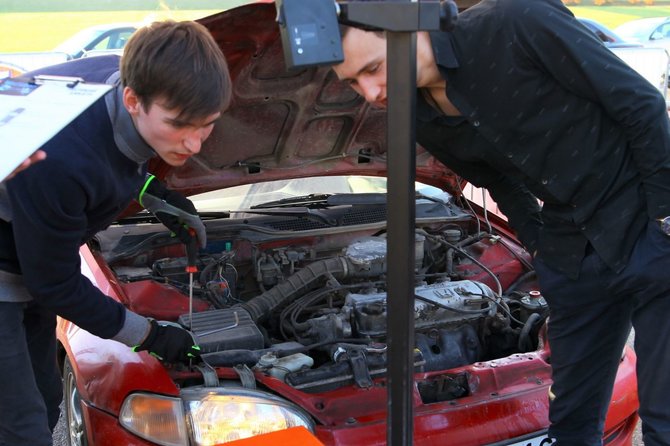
(191, 268)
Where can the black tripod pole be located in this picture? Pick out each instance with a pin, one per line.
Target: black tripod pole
(401, 137)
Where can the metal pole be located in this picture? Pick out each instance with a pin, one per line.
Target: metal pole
(401, 137)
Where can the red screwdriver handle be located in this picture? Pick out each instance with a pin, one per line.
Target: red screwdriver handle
(192, 252)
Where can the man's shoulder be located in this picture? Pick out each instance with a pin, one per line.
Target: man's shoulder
(509, 9)
(513, 15)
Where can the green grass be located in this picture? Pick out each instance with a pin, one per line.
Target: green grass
(42, 31)
(612, 16)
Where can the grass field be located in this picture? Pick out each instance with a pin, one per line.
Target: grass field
(42, 31)
(612, 16)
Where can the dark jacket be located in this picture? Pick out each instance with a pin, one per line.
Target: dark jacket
(555, 115)
(60, 203)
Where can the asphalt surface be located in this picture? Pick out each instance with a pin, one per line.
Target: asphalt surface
(60, 432)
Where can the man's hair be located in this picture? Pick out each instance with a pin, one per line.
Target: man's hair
(345, 28)
(179, 63)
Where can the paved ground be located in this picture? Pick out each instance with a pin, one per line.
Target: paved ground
(637, 439)
(59, 433)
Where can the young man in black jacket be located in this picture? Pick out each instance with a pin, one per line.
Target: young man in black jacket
(521, 99)
(160, 105)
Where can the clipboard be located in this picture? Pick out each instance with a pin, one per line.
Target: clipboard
(33, 110)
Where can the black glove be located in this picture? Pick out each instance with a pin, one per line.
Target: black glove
(169, 343)
(174, 210)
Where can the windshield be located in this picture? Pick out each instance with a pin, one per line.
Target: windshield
(249, 195)
(79, 41)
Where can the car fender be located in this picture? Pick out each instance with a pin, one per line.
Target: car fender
(107, 371)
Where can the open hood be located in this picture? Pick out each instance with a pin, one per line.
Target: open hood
(285, 124)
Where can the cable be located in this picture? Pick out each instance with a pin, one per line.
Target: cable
(486, 213)
(501, 304)
(467, 202)
(525, 343)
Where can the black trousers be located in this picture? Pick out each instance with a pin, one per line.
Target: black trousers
(30, 382)
(589, 323)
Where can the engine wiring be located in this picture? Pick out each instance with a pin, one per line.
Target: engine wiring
(458, 247)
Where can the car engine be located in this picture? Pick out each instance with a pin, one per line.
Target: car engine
(303, 297)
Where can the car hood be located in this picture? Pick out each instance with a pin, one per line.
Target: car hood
(285, 124)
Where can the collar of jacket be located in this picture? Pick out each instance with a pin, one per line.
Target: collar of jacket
(126, 137)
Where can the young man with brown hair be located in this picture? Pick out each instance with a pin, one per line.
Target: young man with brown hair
(169, 89)
(522, 99)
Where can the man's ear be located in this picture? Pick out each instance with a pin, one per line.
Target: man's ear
(131, 101)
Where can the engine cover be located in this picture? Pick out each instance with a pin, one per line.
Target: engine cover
(439, 304)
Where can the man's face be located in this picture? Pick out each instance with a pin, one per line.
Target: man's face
(364, 66)
(174, 140)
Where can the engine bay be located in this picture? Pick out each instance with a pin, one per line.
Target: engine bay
(301, 294)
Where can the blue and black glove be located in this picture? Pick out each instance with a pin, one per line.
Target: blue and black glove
(174, 210)
(169, 342)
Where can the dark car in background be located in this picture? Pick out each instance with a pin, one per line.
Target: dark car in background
(289, 302)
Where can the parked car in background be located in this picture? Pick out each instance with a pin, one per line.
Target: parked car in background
(111, 36)
(91, 41)
(608, 37)
(289, 302)
(652, 62)
(650, 32)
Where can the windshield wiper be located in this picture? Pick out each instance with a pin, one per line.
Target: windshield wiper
(340, 199)
(302, 200)
(300, 211)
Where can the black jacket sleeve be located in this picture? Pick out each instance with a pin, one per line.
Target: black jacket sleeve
(49, 224)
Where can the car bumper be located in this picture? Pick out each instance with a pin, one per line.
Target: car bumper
(504, 418)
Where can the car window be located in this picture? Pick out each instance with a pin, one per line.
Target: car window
(665, 30)
(113, 41)
(78, 41)
(102, 44)
(118, 39)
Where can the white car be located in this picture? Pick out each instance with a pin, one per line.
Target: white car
(111, 36)
(651, 31)
(91, 41)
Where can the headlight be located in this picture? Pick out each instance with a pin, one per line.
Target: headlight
(215, 415)
(228, 414)
(157, 418)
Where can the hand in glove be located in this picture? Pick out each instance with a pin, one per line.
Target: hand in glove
(169, 343)
(174, 210)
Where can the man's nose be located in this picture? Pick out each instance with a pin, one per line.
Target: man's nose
(193, 141)
(370, 91)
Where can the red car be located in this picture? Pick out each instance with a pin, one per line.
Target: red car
(289, 303)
